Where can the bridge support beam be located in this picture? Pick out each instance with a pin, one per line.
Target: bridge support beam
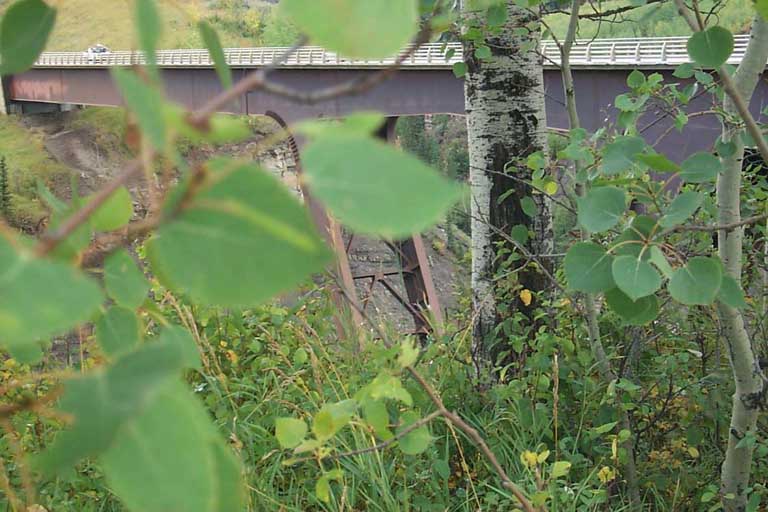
(421, 300)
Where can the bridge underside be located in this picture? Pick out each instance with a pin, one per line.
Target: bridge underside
(410, 92)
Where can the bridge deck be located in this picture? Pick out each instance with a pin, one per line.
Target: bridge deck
(661, 52)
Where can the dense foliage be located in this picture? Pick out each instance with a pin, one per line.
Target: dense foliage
(148, 365)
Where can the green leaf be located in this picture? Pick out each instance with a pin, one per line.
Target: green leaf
(377, 416)
(170, 457)
(681, 209)
(658, 163)
(242, 240)
(588, 268)
(177, 336)
(360, 179)
(698, 282)
(40, 298)
(386, 385)
(730, 293)
(684, 70)
(560, 468)
(711, 48)
(636, 79)
(409, 352)
(370, 29)
(640, 312)
(358, 124)
(700, 168)
(114, 213)
(528, 206)
(331, 418)
(626, 103)
(416, 441)
(497, 14)
(150, 28)
(483, 52)
(323, 485)
(601, 208)
(118, 331)
(24, 33)
(619, 156)
(519, 234)
(124, 281)
(144, 101)
(213, 44)
(635, 277)
(290, 432)
(661, 262)
(459, 69)
(219, 129)
(103, 402)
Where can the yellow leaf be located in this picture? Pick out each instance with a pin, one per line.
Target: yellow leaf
(615, 448)
(529, 458)
(606, 474)
(541, 457)
(550, 188)
(526, 297)
(693, 452)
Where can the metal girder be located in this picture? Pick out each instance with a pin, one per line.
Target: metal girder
(421, 300)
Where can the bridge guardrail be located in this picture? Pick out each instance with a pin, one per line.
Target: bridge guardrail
(650, 52)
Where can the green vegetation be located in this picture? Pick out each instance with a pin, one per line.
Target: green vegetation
(82, 23)
(655, 20)
(186, 378)
(27, 161)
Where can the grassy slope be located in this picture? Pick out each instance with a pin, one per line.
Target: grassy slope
(27, 162)
(82, 23)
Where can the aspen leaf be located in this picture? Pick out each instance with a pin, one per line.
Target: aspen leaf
(24, 32)
(601, 208)
(117, 331)
(242, 240)
(635, 277)
(360, 179)
(712, 47)
(124, 281)
(370, 29)
(698, 282)
(290, 432)
(416, 441)
(588, 268)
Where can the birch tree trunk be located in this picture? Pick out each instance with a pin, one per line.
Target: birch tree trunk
(505, 123)
(750, 384)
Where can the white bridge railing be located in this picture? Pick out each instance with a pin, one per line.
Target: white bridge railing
(648, 52)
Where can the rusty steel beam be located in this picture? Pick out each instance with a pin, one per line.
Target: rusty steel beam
(344, 291)
(417, 279)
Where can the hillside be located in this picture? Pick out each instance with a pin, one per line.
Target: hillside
(82, 23)
(655, 20)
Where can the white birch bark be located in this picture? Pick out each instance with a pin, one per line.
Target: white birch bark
(505, 124)
(750, 383)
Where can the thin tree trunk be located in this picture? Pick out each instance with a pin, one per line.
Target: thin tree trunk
(593, 327)
(505, 124)
(750, 383)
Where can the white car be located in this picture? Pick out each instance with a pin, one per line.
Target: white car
(96, 52)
